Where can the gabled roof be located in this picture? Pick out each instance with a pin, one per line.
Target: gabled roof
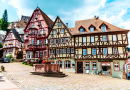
(46, 18)
(25, 17)
(97, 23)
(15, 34)
(62, 23)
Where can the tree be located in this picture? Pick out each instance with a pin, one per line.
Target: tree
(4, 23)
(0, 23)
(1, 45)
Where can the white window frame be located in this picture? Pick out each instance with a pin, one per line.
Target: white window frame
(87, 64)
(114, 38)
(68, 50)
(115, 50)
(94, 65)
(104, 38)
(64, 50)
(72, 50)
(103, 28)
(91, 29)
(93, 50)
(84, 51)
(67, 64)
(92, 39)
(62, 31)
(57, 51)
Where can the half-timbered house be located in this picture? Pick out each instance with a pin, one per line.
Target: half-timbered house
(35, 36)
(97, 47)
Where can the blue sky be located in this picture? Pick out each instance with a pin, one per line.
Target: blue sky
(116, 12)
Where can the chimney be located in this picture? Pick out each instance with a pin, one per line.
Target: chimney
(95, 17)
(67, 25)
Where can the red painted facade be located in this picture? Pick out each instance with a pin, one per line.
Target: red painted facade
(35, 35)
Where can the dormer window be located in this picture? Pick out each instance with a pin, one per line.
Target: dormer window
(81, 29)
(92, 29)
(103, 28)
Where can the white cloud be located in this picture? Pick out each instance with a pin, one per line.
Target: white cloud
(3, 0)
(21, 9)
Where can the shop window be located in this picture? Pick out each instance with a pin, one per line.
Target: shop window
(94, 64)
(67, 64)
(116, 66)
(60, 63)
(87, 65)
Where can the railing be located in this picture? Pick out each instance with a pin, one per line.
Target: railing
(46, 68)
(35, 46)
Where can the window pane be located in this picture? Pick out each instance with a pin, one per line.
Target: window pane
(92, 39)
(94, 65)
(103, 28)
(68, 50)
(93, 51)
(87, 65)
(84, 39)
(105, 51)
(104, 38)
(62, 31)
(91, 29)
(59, 24)
(72, 50)
(66, 39)
(84, 52)
(54, 32)
(114, 38)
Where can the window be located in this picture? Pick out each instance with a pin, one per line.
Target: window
(32, 24)
(68, 50)
(52, 51)
(52, 62)
(40, 32)
(103, 28)
(84, 39)
(44, 31)
(59, 40)
(62, 40)
(27, 33)
(116, 66)
(54, 32)
(40, 54)
(115, 51)
(32, 41)
(60, 63)
(81, 30)
(104, 38)
(84, 52)
(94, 65)
(39, 23)
(67, 64)
(22, 37)
(44, 53)
(51, 41)
(57, 51)
(36, 17)
(92, 39)
(62, 31)
(56, 41)
(104, 51)
(59, 24)
(60, 51)
(72, 50)
(93, 51)
(87, 65)
(37, 42)
(91, 29)
(64, 50)
(114, 38)
(44, 41)
(66, 40)
(33, 32)
(40, 42)
(37, 54)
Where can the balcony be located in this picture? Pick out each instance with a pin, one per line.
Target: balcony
(41, 35)
(32, 46)
(35, 46)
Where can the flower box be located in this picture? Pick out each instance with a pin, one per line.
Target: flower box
(46, 62)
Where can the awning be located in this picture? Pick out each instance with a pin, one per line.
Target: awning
(105, 64)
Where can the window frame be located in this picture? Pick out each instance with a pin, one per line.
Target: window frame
(114, 51)
(59, 24)
(67, 65)
(102, 28)
(57, 62)
(96, 65)
(67, 51)
(91, 27)
(118, 65)
(84, 39)
(40, 54)
(105, 52)
(89, 64)
(114, 37)
(83, 51)
(72, 50)
(92, 39)
(62, 30)
(105, 40)
(95, 51)
(54, 31)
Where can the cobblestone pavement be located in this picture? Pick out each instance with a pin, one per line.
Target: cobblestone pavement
(20, 75)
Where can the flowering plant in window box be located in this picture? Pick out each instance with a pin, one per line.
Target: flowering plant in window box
(46, 62)
(10, 43)
(39, 34)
